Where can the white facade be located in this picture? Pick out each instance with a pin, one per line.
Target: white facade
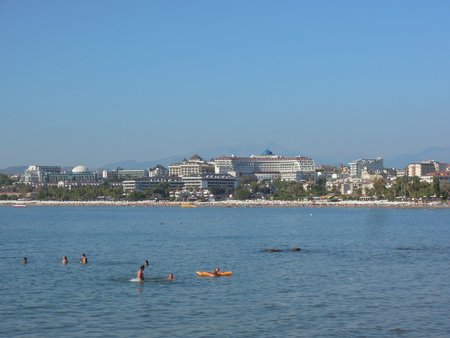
(158, 171)
(289, 168)
(35, 174)
(195, 165)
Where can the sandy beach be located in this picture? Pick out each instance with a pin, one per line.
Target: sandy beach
(234, 204)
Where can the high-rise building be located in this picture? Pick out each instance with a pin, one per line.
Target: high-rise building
(374, 164)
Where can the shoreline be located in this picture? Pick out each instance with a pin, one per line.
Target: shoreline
(234, 204)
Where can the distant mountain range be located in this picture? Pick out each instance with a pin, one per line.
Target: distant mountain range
(400, 161)
(14, 170)
(206, 153)
(131, 164)
(432, 153)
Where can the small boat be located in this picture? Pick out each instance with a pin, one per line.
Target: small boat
(19, 206)
(212, 274)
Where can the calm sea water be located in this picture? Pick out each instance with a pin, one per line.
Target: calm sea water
(361, 272)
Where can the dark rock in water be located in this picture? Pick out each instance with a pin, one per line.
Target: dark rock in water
(398, 331)
(272, 250)
(294, 249)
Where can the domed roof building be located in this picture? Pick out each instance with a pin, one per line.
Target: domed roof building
(80, 169)
(267, 152)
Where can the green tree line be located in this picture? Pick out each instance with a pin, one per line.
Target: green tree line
(408, 188)
(82, 193)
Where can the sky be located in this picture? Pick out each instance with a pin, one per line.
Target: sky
(94, 82)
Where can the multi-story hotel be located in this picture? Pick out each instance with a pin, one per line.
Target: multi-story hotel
(125, 174)
(35, 174)
(194, 181)
(147, 183)
(195, 165)
(423, 168)
(207, 181)
(267, 166)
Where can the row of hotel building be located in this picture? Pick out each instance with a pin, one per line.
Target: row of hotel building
(225, 171)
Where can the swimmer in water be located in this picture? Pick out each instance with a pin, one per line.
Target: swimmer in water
(146, 263)
(140, 273)
(24, 260)
(171, 276)
(65, 260)
(83, 259)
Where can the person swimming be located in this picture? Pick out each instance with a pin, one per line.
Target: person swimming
(146, 263)
(140, 273)
(65, 260)
(171, 276)
(83, 259)
(24, 260)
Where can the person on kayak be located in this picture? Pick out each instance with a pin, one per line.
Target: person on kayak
(140, 273)
(216, 271)
(83, 259)
(65, 260)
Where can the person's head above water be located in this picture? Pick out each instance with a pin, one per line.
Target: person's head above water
(25, 260)
(146, 263)
(83, 259)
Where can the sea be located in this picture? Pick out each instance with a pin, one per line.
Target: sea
(361, 272)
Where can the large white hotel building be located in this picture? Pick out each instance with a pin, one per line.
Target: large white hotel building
(267, 166)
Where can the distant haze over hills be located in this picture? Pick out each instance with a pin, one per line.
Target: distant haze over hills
(441, 154)
(14, 170)
(400, 161)
(432, 153)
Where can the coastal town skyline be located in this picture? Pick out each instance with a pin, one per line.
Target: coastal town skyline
(399, 161)
(265, 176)
(104, 82)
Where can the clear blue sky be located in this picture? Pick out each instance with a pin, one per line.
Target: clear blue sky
(95, 82)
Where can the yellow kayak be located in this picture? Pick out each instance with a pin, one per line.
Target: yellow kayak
(212, 274)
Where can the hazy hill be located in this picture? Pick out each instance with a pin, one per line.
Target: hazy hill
(441, 154)
(14, 170)
(432, 153)
(206, 153)
(131, 164)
